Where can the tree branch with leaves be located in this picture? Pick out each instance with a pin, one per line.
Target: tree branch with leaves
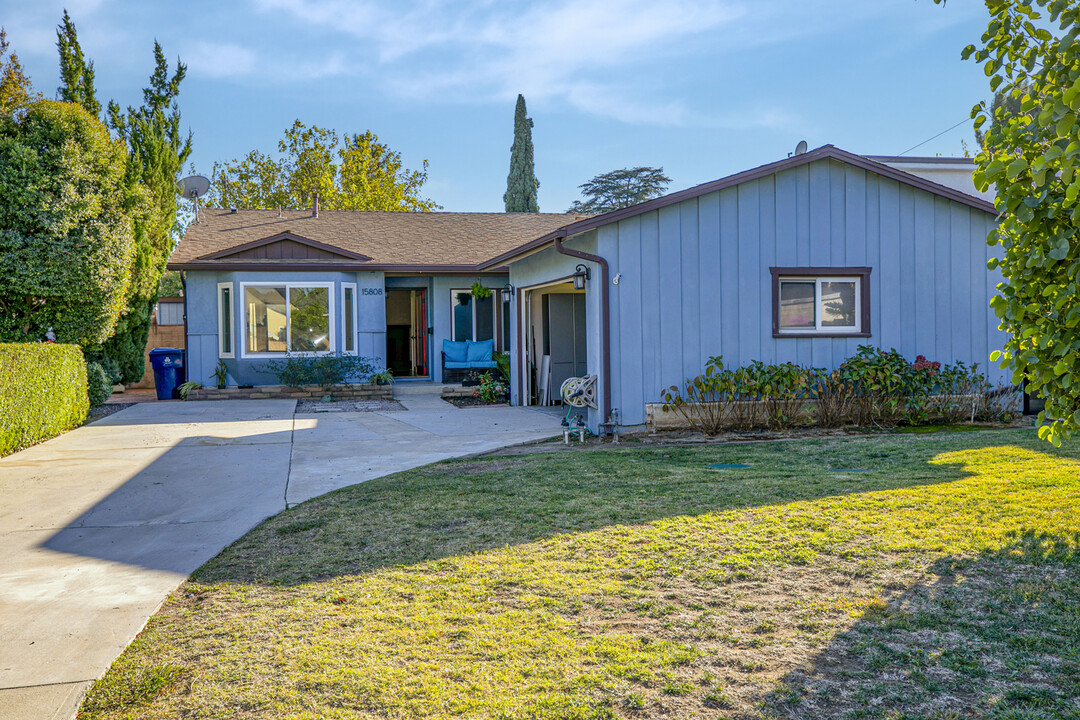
(1030, 153)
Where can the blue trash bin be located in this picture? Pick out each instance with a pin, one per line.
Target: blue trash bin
(168, 364)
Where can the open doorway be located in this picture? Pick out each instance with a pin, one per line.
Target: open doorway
(406, 332)
(555, 341)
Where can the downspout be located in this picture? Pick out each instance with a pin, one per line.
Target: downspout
(183, 287)
(605, 327)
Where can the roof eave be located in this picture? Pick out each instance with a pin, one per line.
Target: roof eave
(334, 266)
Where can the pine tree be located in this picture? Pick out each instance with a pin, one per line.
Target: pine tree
(521, 183)
(76, 74)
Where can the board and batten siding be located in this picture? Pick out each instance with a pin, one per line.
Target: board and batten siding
(694, 277)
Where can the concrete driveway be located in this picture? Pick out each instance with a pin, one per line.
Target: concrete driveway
(99, 525)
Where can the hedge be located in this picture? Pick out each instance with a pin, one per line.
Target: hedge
(42, 392)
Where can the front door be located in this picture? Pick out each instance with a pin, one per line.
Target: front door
(406, 332)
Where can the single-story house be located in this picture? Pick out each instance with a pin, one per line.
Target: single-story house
(799, 260)
(384, 285)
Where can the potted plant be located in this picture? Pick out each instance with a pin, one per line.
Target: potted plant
(479, 291)
(386, 377)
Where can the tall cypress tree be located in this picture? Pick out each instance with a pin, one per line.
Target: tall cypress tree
(76, 74)
(157, 150)
(521, 183)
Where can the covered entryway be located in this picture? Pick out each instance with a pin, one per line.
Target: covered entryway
(406, 332)
(555, 341)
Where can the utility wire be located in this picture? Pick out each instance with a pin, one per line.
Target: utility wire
(933, 138)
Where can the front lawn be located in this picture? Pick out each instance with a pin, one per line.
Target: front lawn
(631, 583)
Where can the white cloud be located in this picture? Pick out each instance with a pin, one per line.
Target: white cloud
(594, 55)
(230, 61)
(220, 60)
(483, 50)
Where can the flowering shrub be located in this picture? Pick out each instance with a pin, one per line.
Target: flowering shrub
(873, 388)
(490, 390)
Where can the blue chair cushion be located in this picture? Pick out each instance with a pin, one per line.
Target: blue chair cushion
(456, 352)
(480, 351)
(482, 364)
(451, 365)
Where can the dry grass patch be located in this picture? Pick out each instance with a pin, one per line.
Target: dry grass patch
(638, 583)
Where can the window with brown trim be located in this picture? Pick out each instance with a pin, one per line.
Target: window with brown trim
(820, 301)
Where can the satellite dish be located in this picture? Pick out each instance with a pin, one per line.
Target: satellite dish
(799, 149)
(194, 186)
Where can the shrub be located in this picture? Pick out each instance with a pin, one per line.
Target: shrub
(67, 244)
(887, 388)
(706, 401)
(874, 387)
(98, 384)
(326, 371)
(782, 391)
(502, 359)
(42, 393)
(835, 397)
(490, 390)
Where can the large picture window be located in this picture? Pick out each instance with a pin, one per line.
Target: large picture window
(288, 318)
(821, 302)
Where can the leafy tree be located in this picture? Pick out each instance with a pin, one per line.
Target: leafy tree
(1032, 157)
(16, 93)
(349, 172)
(157, 149)
(1008, 105)
(171, 284)
(621, 188)
(521, 183)
(76, 74)
(66, 237)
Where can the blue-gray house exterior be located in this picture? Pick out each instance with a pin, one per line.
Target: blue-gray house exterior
(687, 276)
(690, 275)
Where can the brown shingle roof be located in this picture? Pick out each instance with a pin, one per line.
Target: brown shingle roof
(388, 238)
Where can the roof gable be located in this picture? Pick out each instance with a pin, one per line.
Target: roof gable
(822, 153)
(286, 246)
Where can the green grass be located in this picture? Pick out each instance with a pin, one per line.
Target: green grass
(638, 583)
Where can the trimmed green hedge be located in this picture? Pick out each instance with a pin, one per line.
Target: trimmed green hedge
(42, 392)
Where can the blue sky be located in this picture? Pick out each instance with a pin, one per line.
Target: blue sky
(703, 88)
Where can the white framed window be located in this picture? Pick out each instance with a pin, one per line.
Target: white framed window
(823, 302)
(473, 318)
(348, 311)
(288, 318)
(225, 314)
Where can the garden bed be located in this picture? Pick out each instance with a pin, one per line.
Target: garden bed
(284, 392)
(469, 401)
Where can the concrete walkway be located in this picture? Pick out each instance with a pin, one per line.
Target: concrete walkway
(99, 525)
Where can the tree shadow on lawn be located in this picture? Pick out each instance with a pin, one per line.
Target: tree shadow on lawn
(991, 636)
(639, 584)
(463, 507)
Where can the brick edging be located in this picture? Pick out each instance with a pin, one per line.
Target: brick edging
(283, 392)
